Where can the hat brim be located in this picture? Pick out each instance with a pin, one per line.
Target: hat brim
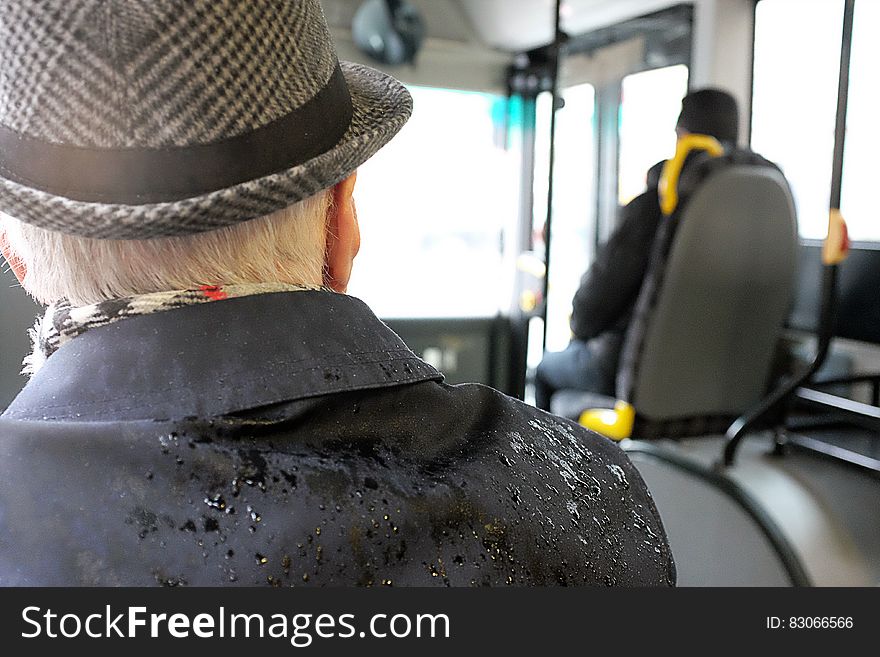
(381, 106)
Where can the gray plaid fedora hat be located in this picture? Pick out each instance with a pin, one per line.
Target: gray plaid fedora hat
(133, 119)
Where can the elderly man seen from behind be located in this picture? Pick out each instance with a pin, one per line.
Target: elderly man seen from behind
(207, 406)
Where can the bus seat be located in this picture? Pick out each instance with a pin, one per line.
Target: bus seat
(701, 344)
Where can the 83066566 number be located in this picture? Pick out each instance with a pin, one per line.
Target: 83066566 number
(810, 623)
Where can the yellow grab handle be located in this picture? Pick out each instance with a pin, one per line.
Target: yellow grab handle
(672, 169)
(616, 424)
(836, 246)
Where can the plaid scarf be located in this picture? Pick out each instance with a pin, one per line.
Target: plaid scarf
(62, 322)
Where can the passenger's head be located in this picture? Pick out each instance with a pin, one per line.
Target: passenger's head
(710, 112)
(197, 142)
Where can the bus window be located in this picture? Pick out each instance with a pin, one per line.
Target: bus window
(796, 67)
(434, 206)
(649, 108)
(858, 203)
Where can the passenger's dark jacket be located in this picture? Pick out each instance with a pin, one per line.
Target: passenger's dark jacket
(605, 300)
(291, 438)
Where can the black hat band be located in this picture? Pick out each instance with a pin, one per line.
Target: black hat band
(140, 176)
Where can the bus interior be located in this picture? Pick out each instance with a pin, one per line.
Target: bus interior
(534, 122)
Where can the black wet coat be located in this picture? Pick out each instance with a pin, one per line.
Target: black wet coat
(603, 305)
(292, 439)
(607, 294)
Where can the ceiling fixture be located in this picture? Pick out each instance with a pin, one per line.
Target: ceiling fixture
(389, 31)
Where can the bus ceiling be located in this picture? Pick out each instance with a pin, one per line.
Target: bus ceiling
(471, 43)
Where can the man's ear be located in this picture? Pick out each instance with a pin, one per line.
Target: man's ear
(16, 264)
(343, 236)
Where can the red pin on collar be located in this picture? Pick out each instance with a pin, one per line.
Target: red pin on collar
(213, 292)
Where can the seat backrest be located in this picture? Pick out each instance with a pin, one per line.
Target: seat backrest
(718, 289)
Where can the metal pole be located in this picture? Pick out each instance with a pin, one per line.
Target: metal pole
(554, 89)
(828, 305)
(842, 103)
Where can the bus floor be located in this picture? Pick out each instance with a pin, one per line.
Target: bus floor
(826, 508)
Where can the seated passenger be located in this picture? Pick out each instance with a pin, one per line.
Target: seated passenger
(207, 405)
(603, 305)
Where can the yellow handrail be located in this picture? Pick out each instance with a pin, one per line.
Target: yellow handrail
(668, 189)
(616, 424)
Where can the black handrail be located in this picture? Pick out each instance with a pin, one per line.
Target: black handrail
(783, 393)
(795, 570)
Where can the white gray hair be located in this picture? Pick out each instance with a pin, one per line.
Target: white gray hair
(287, 246)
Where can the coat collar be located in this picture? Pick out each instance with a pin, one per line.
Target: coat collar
(214, 359)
